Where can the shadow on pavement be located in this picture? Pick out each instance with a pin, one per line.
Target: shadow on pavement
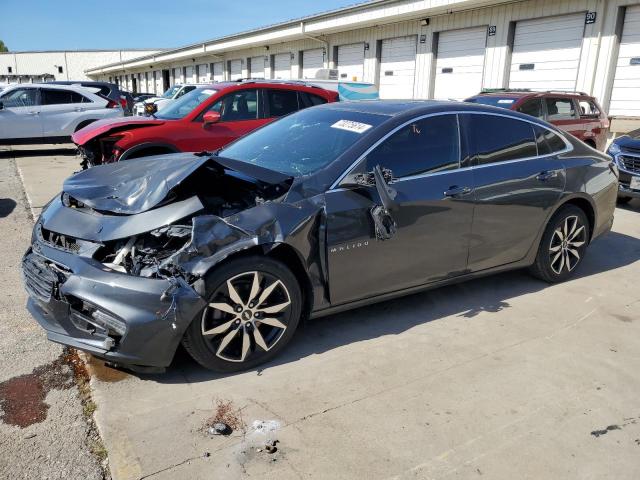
(6, 206)
(38, 153)
(468, 299)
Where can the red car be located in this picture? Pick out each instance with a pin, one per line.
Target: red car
(206, 118)
(574, 112)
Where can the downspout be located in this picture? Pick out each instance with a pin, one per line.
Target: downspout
(323, 42)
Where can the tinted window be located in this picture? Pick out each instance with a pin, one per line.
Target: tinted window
(532, 107)
(303, 142)
(185, 90)
(560, 108)
(492, 138)
(61, 97)
(236, 106)
(281, 102)
(548, 142)
(425, 146)
(309, 100)
(20, 97)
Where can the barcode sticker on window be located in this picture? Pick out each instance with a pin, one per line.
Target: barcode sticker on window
(351, 126)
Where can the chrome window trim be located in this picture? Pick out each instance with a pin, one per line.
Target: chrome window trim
(568, 146)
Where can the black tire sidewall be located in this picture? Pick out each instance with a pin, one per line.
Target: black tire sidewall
(195, 343)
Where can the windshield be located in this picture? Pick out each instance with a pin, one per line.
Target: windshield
(171, 92)
(303, 142)
(184, 105)
(504, 102)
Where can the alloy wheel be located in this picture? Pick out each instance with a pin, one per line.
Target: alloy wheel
(566, 243)
(247, 316)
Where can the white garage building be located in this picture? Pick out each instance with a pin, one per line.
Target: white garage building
(428, 49)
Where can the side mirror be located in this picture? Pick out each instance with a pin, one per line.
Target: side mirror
(210, 118)
(150, 108)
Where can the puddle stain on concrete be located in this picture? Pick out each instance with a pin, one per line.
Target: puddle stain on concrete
(22, 398)
(102, 372)
(604, 431)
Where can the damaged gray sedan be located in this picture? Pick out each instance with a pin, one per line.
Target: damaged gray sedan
(324, 210)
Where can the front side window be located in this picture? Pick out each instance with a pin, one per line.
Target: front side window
(493, 139)
(560, 109)
(184, 105)
(20, 97)
(237, 106)
(532, 107)
(281, 102)
(425, 146)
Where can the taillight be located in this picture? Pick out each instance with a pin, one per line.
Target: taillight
(112, 104)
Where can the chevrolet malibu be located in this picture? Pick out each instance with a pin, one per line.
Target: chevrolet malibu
(324, 210)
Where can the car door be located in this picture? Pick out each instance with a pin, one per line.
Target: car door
(433, 213)
(516, 180)
(19, 117)
(60, 110)
(240, 112)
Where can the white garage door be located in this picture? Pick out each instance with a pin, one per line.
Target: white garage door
(158, 81)
(235, 69)
(218, 72)
(202, 72)
(257, 67)
(460, 63)
(546, 53)
(189, 71)
(398, 67)
(351, 62)
(625, 97)
(282, 66)
(312, 61)
(177, 76)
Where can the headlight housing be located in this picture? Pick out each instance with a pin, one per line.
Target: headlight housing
(614, 149)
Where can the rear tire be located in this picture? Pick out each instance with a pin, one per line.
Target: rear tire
(624, 200)
(254, 307)
(563, 245)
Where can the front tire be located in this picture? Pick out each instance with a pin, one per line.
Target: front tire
(563, 245)
(623, 200)
(254, 307)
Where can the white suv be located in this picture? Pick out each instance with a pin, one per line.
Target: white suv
(39, 113)
(173, 93)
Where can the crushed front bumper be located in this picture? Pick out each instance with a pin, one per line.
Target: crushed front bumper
(127, 320)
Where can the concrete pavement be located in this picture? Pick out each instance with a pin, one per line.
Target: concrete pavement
(503, 377)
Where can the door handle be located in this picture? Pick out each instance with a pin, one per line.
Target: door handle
(33, 113)
(456, 191)
(79, 109)
(546, 175)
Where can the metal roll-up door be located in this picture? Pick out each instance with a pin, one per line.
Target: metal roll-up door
(398, 67)
(177, 76)
(188, 75)
(351, 62)
(312, 61)
(546, 53)
(460, 63)
(235, 69)
(218, 72)
(282, 66)
(625, 96)
(202, 72)
(256, 67)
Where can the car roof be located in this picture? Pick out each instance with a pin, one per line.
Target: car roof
(530, 93)
(48, 85)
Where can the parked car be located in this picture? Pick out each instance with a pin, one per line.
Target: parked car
(206, 118)
(141, 97)
(324, 210)
(44, 113)
(106, 89)
(574, 112)
(625, 151)
(173, 93)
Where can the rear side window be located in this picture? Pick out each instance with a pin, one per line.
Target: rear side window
(548, 142)
(493, 139)
(560, 109)
(532, 107)
(281, 102)
(426, 146)
(588, 108)
(309, 100)
(61, 97)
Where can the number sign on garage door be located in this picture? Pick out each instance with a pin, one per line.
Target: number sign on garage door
(218, 71)
(460, 63)
(398, 67)
(625, 97)
(312, 61)
(351, 62)
(546, 53)
(256, 67)
(282, 66)
(235, 69)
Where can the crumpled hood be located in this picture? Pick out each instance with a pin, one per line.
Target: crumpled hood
(135, 186)
(101, 127)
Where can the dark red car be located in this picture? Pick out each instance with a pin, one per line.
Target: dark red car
(574, 112)
(206, 118)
